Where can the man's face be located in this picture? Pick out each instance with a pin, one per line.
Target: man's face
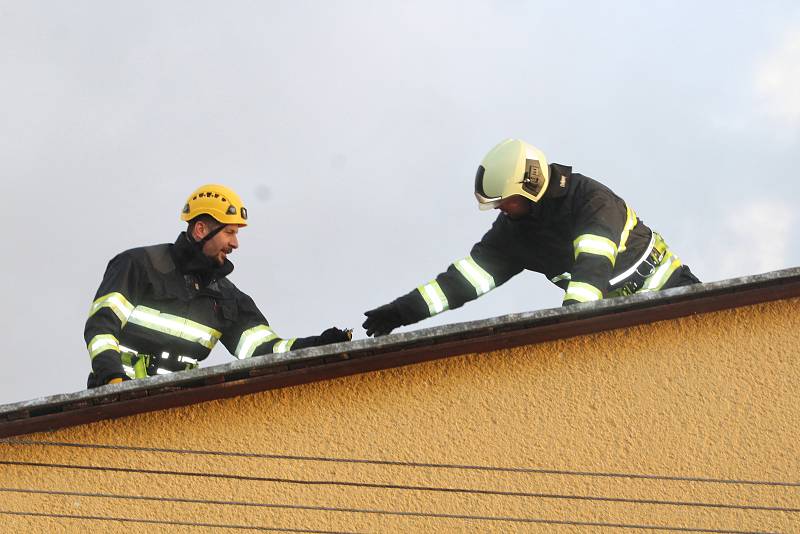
(218, 247)
(515, 206)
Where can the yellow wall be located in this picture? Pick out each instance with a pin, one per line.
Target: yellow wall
(705, 397)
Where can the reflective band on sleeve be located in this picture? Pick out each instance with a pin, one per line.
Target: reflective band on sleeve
(630, 222)
(560, 277)
(582, 292)
(102, 343)
(118, 304)
(284, 345)
(656, 281)
(595, 244)
(174, 326)
(252, 338)
(475, 275)
(434, 297)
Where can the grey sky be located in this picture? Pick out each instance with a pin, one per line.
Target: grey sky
(353, 130)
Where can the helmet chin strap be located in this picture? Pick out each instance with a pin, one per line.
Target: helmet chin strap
(209, 236)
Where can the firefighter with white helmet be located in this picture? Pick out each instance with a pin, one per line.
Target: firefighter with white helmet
(569, 227)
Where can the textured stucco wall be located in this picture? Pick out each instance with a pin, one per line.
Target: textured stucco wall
(690, 423)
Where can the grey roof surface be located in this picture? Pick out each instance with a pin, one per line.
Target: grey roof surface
(319, 363)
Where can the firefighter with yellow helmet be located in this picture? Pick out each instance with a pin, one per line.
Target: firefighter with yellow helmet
(574, 230)
(162, 308)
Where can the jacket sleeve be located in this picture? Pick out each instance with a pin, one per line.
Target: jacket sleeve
(251, 335)
(114, 301)
(602, 222)
(488, 265)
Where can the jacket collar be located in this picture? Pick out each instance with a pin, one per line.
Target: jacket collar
(560, 176)
(189, 259)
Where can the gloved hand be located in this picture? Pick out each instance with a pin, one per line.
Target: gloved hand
(335, 335)
(382, 320)
(115, 380)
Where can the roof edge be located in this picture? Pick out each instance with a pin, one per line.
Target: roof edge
(331, 361)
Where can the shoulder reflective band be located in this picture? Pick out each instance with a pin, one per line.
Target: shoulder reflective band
(560, 277)
(118, 304)
(252, 338)
(630, 222)
(174, 326)
(284, 345)
(101, 343)
(434, 297)
(595, 244)
(475, 275)
(656, 281)
(582, 292)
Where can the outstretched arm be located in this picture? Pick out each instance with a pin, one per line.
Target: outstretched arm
(488, 265)
(252, 335)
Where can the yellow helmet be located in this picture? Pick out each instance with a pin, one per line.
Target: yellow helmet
(218, 201)
(511, 168)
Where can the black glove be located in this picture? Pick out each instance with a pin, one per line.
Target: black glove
(335, 335)
(382, 320)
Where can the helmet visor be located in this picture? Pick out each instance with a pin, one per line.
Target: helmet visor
(485, 202)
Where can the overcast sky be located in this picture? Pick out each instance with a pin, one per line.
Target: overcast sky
(353, 130)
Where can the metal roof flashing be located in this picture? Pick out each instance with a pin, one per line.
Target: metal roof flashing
(320, 363)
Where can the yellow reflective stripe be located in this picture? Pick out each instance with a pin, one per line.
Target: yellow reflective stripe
(434, 297)
(630, 222)
(656, 281)
(102, 342)
(482, 281)
(595, 244)
(582, 292)
(137, 369)
(284, 345)
(174, 326)
(118, 304)
(252, 338)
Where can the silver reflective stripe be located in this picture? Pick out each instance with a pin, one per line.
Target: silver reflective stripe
(187, 359)
(560, 277)
(101, 343)
(434, 297)
(161, 371)
(252, 338)
(619, 278)
(118, 304)
(175, 326)
(481, 280)
(595, 244)
(284, 345)
(630, 222)
(129, 371)
(582, 292)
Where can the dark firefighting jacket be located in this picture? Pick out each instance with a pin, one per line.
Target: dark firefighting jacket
(580, 235)
(162, 308)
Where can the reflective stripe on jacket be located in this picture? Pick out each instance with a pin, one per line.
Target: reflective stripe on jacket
(153, 303)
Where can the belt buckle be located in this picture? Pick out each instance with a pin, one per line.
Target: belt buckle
(651, 262)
